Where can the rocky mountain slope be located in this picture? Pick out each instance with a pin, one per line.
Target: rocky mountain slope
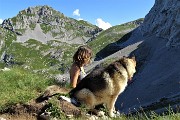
(109, 41)
(163, 20)
(43, 23)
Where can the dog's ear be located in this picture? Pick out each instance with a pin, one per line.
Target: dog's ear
(133, 57)
(124, 57)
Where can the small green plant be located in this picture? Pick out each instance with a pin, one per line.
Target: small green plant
(45, 28)
(32, 26)
(54, 109)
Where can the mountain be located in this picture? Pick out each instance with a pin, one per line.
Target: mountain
(44, 32)
(43, 23)
(112, 39)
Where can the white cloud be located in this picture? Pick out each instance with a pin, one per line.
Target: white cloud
(80, 19)
(76, 12)
(102, 24)
(1, 20)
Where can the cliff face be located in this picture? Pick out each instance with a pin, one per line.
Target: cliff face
(157, 80)
(163, 20)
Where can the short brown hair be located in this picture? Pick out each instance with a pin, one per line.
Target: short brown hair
(82, 54)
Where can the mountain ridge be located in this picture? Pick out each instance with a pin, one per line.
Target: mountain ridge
(51, 23)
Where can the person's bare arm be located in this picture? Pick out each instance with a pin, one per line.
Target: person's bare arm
(74, 75)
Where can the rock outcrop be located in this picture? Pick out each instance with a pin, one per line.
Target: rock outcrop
(163, 20)
(156, 82)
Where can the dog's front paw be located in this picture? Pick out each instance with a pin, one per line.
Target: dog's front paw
(100, 114)
(114, 114)
(117, 113)
(111, 114)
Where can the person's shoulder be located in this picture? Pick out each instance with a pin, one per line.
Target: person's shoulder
(75, 67)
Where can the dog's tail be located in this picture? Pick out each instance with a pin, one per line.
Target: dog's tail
(81, 85)
(43, 98)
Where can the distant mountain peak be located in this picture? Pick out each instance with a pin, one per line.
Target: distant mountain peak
(53, 23)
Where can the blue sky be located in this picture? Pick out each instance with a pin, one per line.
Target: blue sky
(103, 13)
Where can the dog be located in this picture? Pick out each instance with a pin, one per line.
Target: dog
(103, 85)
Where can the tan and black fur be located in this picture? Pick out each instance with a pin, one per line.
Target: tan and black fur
(103, 85)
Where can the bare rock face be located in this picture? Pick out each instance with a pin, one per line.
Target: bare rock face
(163, 20)
(156, 82)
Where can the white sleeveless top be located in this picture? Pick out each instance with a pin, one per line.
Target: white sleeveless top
(82, 73)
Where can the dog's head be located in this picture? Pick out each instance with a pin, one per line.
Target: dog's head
(130, 64)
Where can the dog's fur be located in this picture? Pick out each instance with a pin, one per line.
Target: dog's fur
(103, 85)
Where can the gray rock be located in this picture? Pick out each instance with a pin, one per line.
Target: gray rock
(163, 20)
(156, 82)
